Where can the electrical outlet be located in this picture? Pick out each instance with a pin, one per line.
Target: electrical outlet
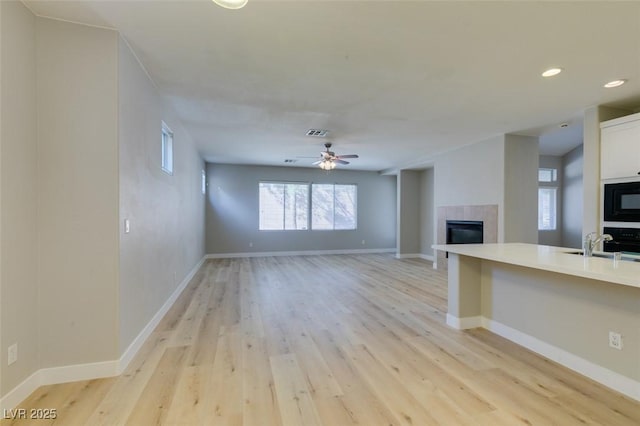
(363, 242)
(251, 244)
(12, 354)
(615, 340)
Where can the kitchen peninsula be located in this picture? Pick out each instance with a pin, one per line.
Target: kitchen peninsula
(554, 302)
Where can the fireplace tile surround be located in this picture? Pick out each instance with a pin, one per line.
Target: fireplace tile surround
(488, 214)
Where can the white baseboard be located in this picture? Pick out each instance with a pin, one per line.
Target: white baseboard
(96, 370)
(297, 253)
(464, 323)
(600, 374)
(18, 394)
(142, 337)
(414, 256)
(55, 375)
(74, 373)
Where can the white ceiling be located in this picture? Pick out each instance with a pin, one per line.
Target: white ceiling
(395, 81)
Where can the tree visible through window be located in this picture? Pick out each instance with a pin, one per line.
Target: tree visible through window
(283, 206)
(333, 207)
(286, 206)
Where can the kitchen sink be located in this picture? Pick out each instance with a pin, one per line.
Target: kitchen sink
(624, 257)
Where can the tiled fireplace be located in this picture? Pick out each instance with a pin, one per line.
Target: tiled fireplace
(466, 221)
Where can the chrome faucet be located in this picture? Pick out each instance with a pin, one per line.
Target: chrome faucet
(591, 240)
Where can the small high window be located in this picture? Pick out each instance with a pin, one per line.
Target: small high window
(547, 175)
(167, 149)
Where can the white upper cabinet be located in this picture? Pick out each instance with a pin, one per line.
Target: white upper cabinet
(620, 147)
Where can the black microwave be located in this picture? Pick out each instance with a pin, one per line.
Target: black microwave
(622, 202)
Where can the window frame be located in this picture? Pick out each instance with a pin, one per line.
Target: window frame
(355, 228)
(309, 210)
(553, 172)
(554, 201)
(308, 185)
(166, 159)
(552, 184)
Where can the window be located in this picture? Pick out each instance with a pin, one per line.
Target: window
(167, 149)
(547, 199)
(547, 209)
(333, 207)
(204, 182)
(286, 206)
(283, 206)
(547, 175)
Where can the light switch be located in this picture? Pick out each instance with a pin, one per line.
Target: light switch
(127, 226)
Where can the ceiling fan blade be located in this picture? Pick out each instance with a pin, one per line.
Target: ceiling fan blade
(348, 156)
(316, 162)
(340, 161)
(298, 156)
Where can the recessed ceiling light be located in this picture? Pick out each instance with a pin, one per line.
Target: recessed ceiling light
(615, 83)
(231, 4)
(551, 72)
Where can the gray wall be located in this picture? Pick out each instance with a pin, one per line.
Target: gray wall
(473, 175)
(78, 193)
(79, 137)
(232, 211)
(520, 189)
(166, 213)
(503, 171)
(18, 193)
(427, 212)
(554, 238)
(572, 198)
(408, 204)
(571, 313)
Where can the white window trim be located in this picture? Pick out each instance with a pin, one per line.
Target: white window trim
(555, 209)
(166, 164)
(553, 184)
(310, 206)
(355, 228)
(308, 184)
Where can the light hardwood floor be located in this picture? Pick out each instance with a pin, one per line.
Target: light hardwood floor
(328, 340)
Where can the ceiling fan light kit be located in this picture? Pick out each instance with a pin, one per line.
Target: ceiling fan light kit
(327, 165)
(329, 159)
(231, 4)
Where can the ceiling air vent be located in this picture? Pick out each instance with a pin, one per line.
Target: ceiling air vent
(319, 133)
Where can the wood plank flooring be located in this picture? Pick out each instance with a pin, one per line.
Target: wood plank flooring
(328, 340)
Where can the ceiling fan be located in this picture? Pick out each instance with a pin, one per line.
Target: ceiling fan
(328, 159)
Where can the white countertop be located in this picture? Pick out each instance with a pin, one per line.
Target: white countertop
(555, 259)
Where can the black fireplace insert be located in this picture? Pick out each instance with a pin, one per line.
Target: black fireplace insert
(464, 232)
